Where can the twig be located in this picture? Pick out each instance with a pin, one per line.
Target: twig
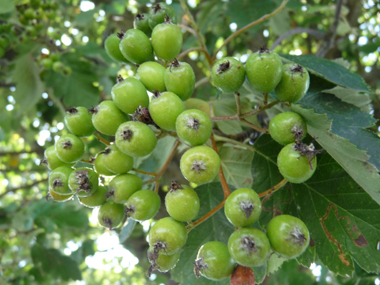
(187, 28)
(99, 138)
(197, 31)
(298, 30)
(23, 187)
(330, 37)
(274, 188)
(144, 172)
(182, 54)
(38, 151)
(224, 139)
(201, 81)
(238, 106)
(242, 30)
(223, 181)
(265, 131)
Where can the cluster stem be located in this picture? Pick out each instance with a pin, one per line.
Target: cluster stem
(101, 139)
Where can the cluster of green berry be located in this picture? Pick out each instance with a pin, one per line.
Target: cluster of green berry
(286, 235)
(52, 61)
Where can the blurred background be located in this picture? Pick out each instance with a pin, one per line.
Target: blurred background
(33, 98)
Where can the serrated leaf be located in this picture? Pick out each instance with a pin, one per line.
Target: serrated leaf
(260, 273)
(236, 163)
(28, 84)
(226, 107)
(216, 228)
(274, 263)
(329, 70)
(341, 217)
(341, 132)
(127, 230)
(280, 23)
(351, 96)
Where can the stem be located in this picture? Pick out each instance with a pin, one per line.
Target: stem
(144, 172)
(182, 54)
(99, 138)
(205, 217)
(201, 81)
(87, 161)
(238, 106)
(223, 181)
(225, 118)
(224, 139)
(187, 28)
(274, 188)
(197, 31)
(157, 187)
(242, 30)
(265, 101)
(260, 109)
(265, 131)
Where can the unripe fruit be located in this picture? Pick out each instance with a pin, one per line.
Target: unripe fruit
(167, 236)
(135, 46)
(158, 12)
(152, 76)
(58, 66)
(59, 180)
(128, 94)
(180, 79)
(228, 74)
(106, 118)
(182, 203)
(195, 103)
(83, 181)
(58, 197)
(294, 167)
(116, 161)
(288, 236)
(47, 63)
(160, 262)
(96, 199)
(143, 205)
(294, 83)
(193, 127)
(123, 186)
(79, 122)
(264, 70)
(69, 148)
(243, 207)
(66, 71)
(110, 215)
(164, 110)
(284, 126)
(135, 139)
(249, 247)
(141, 22)
(200, 164)
(213, 261)
(111, 45)
(51, 159)
(100, 168)
(167, 41)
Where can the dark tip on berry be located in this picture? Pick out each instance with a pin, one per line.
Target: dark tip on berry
(110, 193)
(296, 236)
(106, 151)
(108, 223)
(66, 144)
(156, 94)
(167, 20)
(175, 63)
(223, 67)
(139, 17)
(71, 110)
(44, 161)
(142, 115)
(57, 183)
(198, 266)
(247, 207)
(48, 197)
(158, 246)
(119, 79)
(248, 244)
(156, 8)
(93, 110)
(129, 210)
(175, 186)
(120, 35)
(263, 50)
(127, 134)
(193, 124)
(198, 166)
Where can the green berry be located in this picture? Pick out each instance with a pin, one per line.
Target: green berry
(284, 126)
(51, 159)
(200, 164)
(99, 166)
(158, 12)
(228, 74)
(164, 110)
(195, 103)
(116, 161)
(106, 118)
(141, 22)
(58, 66)
(193, 127)
(47, 63)
(123, 186)
(59, 180)
(69, 148)
(78, 121)
(83, 181)
(112, 48)
(180, 79)
(110, 215)
(135, 139)
(167, 41)
(143, 205)
(135, 46)
(152, 76)
(160, 262)
(58, 197)
(264, 70)
(96, 199)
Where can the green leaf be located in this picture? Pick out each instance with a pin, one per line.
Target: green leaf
(280, 23)
(6, 6)
(28, 84)
(216, 228)
(274, 263)
(127, 230)
(340, 128)
(340, 215)
(226, 107)
(236, 163)
(351, 96)
(208, 13)
(329, 70)
(86, 249)
(54, 263)
(84, 18)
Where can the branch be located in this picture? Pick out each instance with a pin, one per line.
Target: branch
(330, 37)
(242, 30)
(101, 139)
(197, 31)
(38, 151)
(295, 31)
(144, 172)
(201, 81)
(23, 187)
(182, 54)
(274, 188)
